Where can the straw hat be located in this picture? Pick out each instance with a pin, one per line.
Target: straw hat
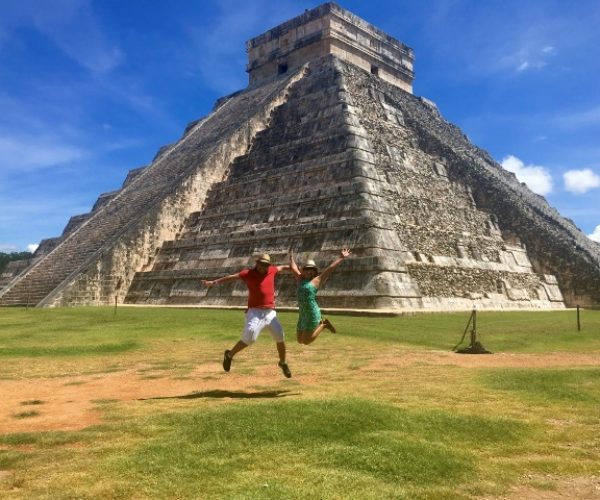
(265, 258)
(310, 264)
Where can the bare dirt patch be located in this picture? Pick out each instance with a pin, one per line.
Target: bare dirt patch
(580, 488)
(72, 403)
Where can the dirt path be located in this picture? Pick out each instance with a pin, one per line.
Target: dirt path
(577, 488)
(70, 403)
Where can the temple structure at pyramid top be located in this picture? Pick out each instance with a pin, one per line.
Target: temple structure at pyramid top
(329, 29)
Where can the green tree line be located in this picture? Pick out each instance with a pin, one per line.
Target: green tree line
(5, 258)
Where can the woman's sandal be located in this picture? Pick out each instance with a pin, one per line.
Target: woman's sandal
(328, 325)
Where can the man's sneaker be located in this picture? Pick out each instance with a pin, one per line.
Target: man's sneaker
(285, 369)
(227, 361)
(329, 326)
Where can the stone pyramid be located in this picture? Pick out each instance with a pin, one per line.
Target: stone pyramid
(326, 148)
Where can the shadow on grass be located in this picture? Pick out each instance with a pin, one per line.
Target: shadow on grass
(229, 394)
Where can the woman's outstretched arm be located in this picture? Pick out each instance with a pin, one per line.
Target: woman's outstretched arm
(319, 280)
(294, 266)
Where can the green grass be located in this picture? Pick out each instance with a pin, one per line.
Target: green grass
(375, 411)
(9, 459)
(90, 331)
(574, 386)
(498, 331)
(378, 445)
(67, 350)
(41, 439)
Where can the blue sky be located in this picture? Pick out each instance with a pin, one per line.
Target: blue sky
(92, 88)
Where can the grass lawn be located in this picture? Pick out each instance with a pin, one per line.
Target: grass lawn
(136, 405)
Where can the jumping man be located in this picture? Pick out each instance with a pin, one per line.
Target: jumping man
(260, 314)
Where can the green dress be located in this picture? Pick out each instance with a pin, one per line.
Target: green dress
(310, 314)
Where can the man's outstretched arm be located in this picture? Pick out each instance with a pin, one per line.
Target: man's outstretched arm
(224, 279)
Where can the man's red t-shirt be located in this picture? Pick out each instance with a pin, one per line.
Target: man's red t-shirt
(261, 287)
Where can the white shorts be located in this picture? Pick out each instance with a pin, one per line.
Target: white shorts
(259, 319)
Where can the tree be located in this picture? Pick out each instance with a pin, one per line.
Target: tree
(5, 258)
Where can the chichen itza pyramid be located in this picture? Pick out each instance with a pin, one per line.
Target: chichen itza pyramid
(326, 147)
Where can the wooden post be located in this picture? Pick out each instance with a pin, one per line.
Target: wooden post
(117, 288)
(474, 330)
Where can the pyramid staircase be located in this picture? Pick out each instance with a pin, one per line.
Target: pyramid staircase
(148, 209)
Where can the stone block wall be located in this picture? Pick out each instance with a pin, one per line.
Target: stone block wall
(302, 185)
(12, 270)
(339, 165)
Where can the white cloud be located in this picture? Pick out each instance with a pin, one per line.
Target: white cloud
(524, 56)
(595, 236)
(581, 181)
(537, 178)
(124, 144)
(32, 247)
(30, 153)
(530, 64)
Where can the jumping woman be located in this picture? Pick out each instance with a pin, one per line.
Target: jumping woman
(310, 324)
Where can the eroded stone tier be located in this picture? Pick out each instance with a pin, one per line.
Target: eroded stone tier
(351, 160)
(48, 244)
